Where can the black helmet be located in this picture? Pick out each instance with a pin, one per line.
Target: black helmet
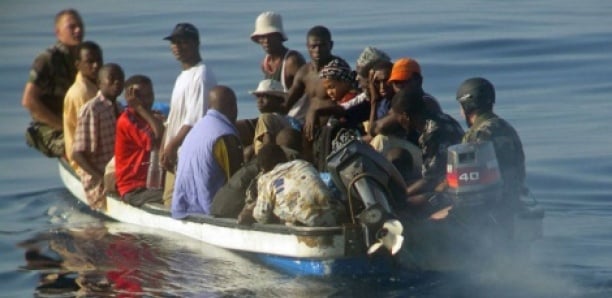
(476, 94)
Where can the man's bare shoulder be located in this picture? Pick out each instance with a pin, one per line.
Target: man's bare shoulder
(296, 58)
(302, 72)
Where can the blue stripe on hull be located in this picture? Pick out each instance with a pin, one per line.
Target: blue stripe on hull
(350, 266)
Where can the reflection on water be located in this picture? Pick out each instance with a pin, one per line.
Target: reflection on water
(93, 261)
(120, 260)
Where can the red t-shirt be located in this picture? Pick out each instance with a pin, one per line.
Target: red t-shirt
(132, 150)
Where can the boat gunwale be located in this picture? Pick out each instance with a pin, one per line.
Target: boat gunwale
(160, 210)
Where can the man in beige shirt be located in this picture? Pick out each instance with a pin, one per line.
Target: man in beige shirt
(88, 63)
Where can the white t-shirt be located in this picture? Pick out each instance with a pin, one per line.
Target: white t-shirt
(189, 98)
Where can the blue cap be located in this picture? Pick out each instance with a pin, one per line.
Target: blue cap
(185, 30)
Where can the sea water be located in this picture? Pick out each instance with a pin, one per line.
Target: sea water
(549, 60)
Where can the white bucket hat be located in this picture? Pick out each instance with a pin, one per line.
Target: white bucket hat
(268, 22)
(271, 87)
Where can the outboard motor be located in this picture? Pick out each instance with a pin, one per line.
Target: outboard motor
(472, 175)
(369, 182)
(475, 183)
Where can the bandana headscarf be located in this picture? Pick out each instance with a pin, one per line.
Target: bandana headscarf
(339, 70)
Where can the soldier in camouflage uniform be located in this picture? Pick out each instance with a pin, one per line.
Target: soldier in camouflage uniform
(437, 132)
(52, 73)
(476, 97)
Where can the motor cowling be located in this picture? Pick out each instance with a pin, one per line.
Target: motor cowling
(475, 184)
(472, 174)
(369, 182)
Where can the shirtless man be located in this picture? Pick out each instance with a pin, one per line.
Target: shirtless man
(307, 83)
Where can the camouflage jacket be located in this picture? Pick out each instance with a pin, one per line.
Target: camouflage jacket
(53, 71)
(294, 192)
(441, 131)
(508, 148)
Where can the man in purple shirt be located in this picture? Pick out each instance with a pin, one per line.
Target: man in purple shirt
(208, 157)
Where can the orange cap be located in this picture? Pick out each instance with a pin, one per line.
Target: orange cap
(403, 69)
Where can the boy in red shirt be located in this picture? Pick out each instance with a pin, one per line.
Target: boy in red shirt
(139, 133)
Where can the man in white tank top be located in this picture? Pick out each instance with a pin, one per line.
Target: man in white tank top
(280, 63)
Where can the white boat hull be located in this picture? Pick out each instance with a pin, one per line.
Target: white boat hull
(429, 245)
(321, 245)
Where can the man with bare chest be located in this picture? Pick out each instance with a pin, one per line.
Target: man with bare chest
(307, 91)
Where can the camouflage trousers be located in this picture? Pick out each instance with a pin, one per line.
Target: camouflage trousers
(45, 139)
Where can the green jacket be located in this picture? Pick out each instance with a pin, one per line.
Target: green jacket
(54, 71)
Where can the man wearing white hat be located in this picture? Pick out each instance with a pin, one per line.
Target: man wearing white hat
(270, 97)
(280, 63)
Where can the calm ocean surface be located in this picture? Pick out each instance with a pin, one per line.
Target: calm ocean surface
(551, 64)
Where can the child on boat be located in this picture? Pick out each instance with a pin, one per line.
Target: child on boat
(339, 83)
(138, 135)
(94, 143)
